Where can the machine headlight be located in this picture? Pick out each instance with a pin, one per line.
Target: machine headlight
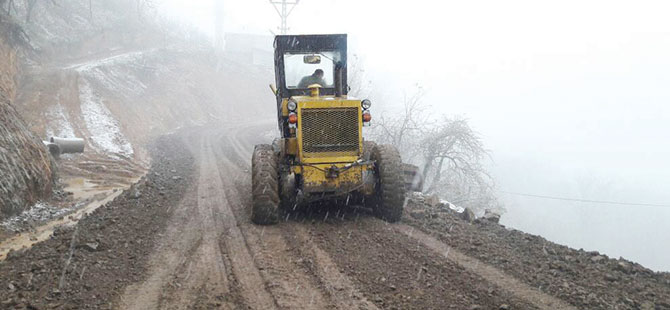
(366, 103)
(291, 105)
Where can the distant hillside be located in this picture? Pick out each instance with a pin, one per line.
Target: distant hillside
(117, 78)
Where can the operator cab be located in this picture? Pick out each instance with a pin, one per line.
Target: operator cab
(308, 66)
(305, 69)
(299, 57)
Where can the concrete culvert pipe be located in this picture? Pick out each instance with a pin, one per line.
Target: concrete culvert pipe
(54, 149)
(69, 145)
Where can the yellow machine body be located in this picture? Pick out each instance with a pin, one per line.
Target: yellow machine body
(335, 167)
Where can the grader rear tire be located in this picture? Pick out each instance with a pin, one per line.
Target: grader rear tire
(389, 197)
(264, 182)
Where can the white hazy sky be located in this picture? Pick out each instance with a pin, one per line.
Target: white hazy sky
(567, 94)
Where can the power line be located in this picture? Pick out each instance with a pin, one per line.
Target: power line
(587, 200)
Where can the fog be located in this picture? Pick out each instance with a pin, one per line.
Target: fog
(570, 97)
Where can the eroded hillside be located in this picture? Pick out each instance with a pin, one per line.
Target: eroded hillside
(117, 78)
(27, 171)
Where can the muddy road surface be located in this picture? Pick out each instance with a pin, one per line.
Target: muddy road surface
(182, 239)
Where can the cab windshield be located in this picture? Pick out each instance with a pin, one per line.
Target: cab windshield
(300, 73)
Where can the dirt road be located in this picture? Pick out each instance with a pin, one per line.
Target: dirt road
(188, 243)
(212, 256)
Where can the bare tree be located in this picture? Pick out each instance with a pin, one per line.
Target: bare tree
(9, 4)
(451, 154)
(30, 5)
(454, 143)
(12, 32)
(143, 5)
(404, 129)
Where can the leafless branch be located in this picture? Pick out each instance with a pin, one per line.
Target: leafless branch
(451, 152)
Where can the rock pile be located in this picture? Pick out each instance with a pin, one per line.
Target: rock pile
(585, 279)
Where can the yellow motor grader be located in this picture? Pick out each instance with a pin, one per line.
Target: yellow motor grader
(321, 153)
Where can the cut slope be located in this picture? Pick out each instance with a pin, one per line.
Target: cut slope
(26, 168)
(27, 171)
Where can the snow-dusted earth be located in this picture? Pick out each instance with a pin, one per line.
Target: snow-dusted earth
(452, 206)
(105, 133)
(112, 74)
(40, 212)
(112, 60)
(59, 124)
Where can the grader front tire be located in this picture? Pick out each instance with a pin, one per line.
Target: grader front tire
(390, 185)
(265, 189)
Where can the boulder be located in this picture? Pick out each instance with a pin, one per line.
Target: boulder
(468, 215)
(418, 214)
(491, 216)
(433, 200)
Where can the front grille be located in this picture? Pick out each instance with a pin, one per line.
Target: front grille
(330, 130)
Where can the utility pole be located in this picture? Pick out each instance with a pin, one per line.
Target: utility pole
(219, 43)
(284, 9)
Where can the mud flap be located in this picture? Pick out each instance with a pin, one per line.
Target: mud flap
(413, 178)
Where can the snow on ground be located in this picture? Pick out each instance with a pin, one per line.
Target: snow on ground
(40, 212)
(123, 58)
(59, 125)
(118, 81)
(104, 128)
(452, 206)
(113, 72)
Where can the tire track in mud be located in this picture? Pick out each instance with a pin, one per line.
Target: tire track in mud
(188, 259)
(251, 284)
(342, 263)
(203, 261)
(291, 286)
(301, 276)
(489, 273)
(330, 278)
(395, 271)
(338, 277)
(207, 268)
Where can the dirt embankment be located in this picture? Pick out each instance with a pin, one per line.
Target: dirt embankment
(587, 280)
(27, 171)
(87, 266)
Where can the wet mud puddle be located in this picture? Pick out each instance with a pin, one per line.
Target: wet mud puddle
(87, 195)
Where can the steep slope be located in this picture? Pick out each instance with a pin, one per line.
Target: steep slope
(27, 171)
(116, 79)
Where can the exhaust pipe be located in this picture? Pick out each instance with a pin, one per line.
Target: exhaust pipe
(339, 85)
